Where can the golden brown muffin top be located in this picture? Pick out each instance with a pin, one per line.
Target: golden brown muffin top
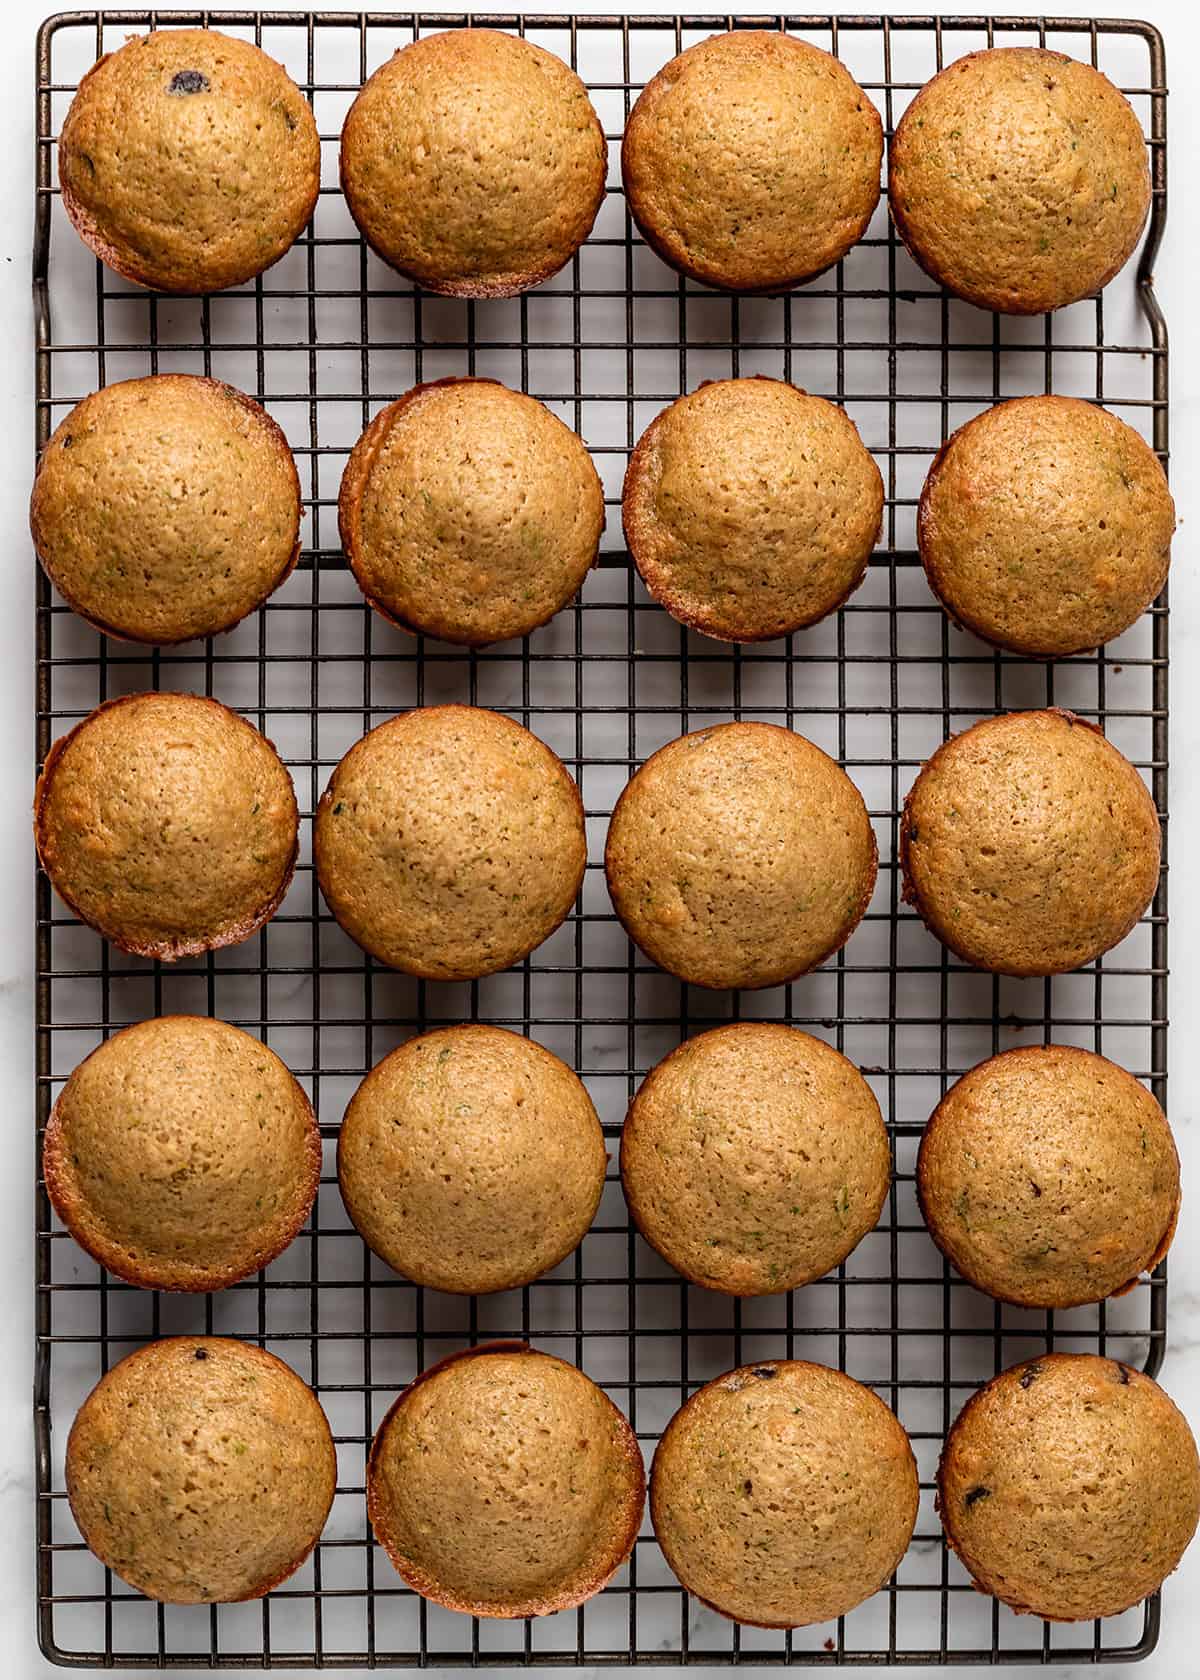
(1045, 526)
(182, 1154)
(754, 1158)
(1019, 179)
(1049, 1176)
(189, 160)
(751, 161)
(1069, 1486)
(784, 1494)
(469, 512)
(471, 1159)
(740, 856)
(504, 1483)
(167, 823)
(474, 163)
(450, 842)
(201, 1470)
(1029, 845)
(166, 508)
(751, 508)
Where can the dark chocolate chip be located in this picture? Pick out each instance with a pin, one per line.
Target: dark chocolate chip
(188, 81)
(1122, 1373)
(1030, 1374)
(975, 1495)
(765, 1371)
(68, 440)
(1036, 1188)
(201, 1353)
(748, 1486)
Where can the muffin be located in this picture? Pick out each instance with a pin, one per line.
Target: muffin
(189, 161)
(1069, 1486)
(166, 508)
(783, 1494)
(751, 509)
(1029, 845)
(754, 1158)
(740, 856)
(182, 1154)
(505, 1483)
(450, 842)
(469, 512)
(1019, 179)
(474, 163)
(1049, 1177)
(167, 823)
(751, 161)
(201, 1470)
(471, 1160)
(1045, 526)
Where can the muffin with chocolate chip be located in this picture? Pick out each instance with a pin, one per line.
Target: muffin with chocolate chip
(1070, 1487)
(166, 508)
(1029, 845)
(189, 160)
(751, 161)
(167, 823)
(1019, 179)
(751, 508)
(504, 1483)
(784, 1494)
(201, 1470)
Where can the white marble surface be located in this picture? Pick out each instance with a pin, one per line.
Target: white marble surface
(1177, 1652)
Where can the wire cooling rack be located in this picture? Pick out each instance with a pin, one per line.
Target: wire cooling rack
(325, 338)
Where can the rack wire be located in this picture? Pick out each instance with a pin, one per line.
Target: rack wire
(324, 339)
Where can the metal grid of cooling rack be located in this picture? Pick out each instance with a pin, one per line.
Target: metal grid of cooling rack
(324, 339)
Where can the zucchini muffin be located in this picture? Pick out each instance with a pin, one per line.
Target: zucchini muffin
(504, 1483)
(168, 824)
(751, 508)
(754, 1158)
(1070, 1487)
(1029, 845)
(201, 1470)
(752, 160)
(1019, 179)
(166, 508)
(1045, 526)
(182, 1154)
(469, 512)
(474, 163)
(740, 856)
(450, 842)
(784, 1494)
(189, 161)
(471, 1160)
(1049, 1177)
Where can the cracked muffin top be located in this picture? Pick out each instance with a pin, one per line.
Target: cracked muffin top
(751, 161)
(189, 160)
(1069, 1486)
(1019, 179)
(474, 163)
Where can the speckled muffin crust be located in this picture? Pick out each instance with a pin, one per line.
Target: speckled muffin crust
(471, 1160)
(751, 508)
(1045, 526)
(784, 1494)
(450, 842)
(182, 1154)
(201, 1470)
(1070, 1487)
(504, 1483)
(189, 161)
(167, 823)
(469, 512)
(1029, 845)
(752, 160)
(1049, 1177)
(1019, 179)
(166, 508)
(755, 1158)
(474, 163)
(740, 856)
